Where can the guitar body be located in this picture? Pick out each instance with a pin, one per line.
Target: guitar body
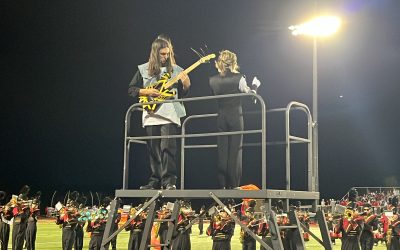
(165, 93)
(165, 86)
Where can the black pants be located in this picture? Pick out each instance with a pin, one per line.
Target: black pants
(78, 244)
(30, 235)
(267, 240)
(163, 232)
(394, 243)
(221, 245)
(4, 235)
(162, 154)
(229, 151)
(201, 224)
(95, 241)
(249, 244)
(114, 243)
(367, 240)
(18, 235)
(350, 243)
(135, 238)
(68, 237)
(182, 241)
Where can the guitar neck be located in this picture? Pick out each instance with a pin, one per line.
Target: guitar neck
(186, 71)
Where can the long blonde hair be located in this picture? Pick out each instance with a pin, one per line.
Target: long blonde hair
(227, 61)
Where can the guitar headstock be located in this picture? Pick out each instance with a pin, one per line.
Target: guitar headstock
(207, 58)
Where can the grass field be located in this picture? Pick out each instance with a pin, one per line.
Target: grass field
(49, 237)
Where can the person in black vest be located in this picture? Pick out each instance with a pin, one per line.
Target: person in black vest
(230, 81)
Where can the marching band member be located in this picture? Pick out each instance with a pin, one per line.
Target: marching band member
(370, 225)
(115, 228)
(97, 225)
(79, 232)
(351, 224)
(202, 215)
(32, 225)
(304, 218)
(331, 227)
(165, 213)
(136, 229)
(248, 219)
(264, 232)
(393, 231)
(181, 237)
(221, 230)
(20, 210)
(67, 218)
(5, 221)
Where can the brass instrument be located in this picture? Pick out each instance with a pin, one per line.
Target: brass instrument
(19, 204)
(349, 213)
(389, 236)
(222, 219)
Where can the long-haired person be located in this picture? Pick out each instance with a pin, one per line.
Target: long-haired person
(230, 81)
(165, 120)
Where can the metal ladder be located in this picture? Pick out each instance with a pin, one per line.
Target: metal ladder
(151, 204)
(294, 233)
(172, 224)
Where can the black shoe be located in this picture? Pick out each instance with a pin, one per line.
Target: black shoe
(146, 187)
(170, 187)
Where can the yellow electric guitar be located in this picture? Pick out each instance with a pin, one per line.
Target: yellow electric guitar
(165, 86)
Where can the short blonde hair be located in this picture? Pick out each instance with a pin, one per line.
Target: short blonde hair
(227, 61)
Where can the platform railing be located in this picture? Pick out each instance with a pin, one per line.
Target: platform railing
(289, 139)
(142, 139)
(292, 138)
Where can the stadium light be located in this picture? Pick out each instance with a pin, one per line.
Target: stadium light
(319, 26)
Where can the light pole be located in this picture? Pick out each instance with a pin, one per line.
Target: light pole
(317, 27)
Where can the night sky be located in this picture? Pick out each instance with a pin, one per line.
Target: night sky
(66, 66)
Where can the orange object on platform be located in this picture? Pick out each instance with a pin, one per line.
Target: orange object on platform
(249, 187)
(245, 203)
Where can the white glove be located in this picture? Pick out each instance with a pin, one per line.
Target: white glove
(243, 85)
(256, 82)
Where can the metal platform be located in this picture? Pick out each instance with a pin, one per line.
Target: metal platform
(221, 193)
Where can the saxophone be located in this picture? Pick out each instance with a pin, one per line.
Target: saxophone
(389, 236)
(389, 232)
(241, 236)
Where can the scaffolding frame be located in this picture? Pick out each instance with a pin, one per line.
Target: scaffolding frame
(266, 194)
